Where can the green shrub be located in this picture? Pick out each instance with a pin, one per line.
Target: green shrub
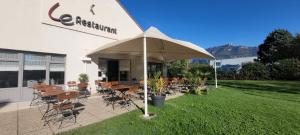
(254, 71)
(231, 74)
(286, 69)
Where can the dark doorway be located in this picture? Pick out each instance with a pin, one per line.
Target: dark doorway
(113, 70)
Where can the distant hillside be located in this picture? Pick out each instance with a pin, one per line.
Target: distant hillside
(230, 51)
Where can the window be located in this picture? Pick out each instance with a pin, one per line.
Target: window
(154, 67)
(9, 67)
(34, 68)
(9, 74)
(57, 73)
(124, 69)
(124, 75)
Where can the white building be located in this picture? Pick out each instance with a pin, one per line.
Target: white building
(233, 61)
(47, 41)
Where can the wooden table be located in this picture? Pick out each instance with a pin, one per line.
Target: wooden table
(121, 87)
(52, 93)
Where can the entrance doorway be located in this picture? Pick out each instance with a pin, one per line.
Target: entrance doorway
(113, 70)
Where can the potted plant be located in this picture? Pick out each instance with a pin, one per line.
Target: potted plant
(157, 86)
(83, 79)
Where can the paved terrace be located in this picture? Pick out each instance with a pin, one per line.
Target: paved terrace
(20, 119)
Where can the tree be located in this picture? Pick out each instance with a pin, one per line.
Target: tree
(295, 48)
(275, 47)
(178, 68)
(201, 70)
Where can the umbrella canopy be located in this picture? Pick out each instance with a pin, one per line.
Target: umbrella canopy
(152, 44)
(159, 47)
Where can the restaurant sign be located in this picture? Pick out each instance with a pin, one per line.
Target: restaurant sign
(78, 22)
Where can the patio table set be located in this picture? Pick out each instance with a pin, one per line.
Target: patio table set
(59, 101)
(124, 93)
(116, 92)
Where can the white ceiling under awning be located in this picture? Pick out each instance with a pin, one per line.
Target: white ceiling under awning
(159, 47)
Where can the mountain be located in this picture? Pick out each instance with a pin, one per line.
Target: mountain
(230, 51)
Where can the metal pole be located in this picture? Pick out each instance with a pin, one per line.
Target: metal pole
(145, 77)
(216, 79)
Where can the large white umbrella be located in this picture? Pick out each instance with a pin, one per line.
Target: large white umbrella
(153, 44)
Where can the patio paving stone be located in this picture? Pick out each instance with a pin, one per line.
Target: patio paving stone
(9, 129)
(27, 120)
(45, 131)
(8, 118)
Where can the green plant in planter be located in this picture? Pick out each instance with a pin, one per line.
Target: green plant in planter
(83, 78)
(156, 83)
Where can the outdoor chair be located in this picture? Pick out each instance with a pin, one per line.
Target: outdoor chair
(36, 93)
(65, 107)
(133, 92)
(50, 100)
(111, 98)
(108, 94)
(103, 88)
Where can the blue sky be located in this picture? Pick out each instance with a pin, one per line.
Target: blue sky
(217, 22)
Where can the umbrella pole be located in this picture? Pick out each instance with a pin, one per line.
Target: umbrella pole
(145, 77)
(216, 79)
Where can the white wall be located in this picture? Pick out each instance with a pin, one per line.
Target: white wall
(22, 28)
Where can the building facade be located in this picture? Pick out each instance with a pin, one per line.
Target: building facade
(47, 41)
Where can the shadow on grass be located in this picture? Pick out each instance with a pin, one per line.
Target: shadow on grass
(286, 88)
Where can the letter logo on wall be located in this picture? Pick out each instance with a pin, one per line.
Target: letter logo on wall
(67, 20)
(92, 9)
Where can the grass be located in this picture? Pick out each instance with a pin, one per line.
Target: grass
(237, 107)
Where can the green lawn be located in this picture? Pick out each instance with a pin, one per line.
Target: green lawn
(237, 107)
